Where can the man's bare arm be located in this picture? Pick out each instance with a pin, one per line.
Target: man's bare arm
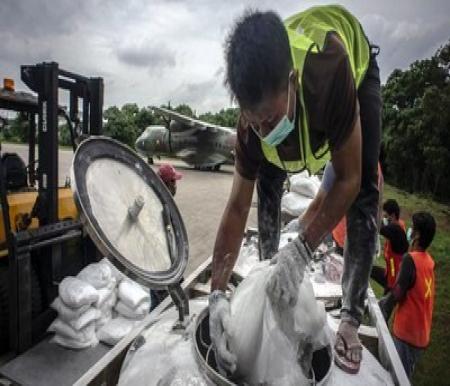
(312, 209)
(347, 166)
(231, 231)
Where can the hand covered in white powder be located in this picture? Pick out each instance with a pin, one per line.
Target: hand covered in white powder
(289, 267)
(219, 331)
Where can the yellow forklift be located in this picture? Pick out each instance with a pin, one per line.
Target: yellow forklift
(41, 238)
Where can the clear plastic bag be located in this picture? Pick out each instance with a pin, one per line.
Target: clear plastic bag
(66, 313)
(305, 186)
(274, 345)
(91, 315)
(73, 343)
(105, 293)
(133, 313)
(132, 294)
(294, 203)
(114, 271)
(76, 293)
(104, 319)
(98, 275)
(115, 330)
(66, 330)
(165, 358)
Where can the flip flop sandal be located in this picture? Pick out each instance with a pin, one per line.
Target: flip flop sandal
(340, 358)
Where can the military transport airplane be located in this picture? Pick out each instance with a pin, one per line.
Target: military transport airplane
(200, 144)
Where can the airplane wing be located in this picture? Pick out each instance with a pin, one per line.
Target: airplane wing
(190, 122)
(186, 153)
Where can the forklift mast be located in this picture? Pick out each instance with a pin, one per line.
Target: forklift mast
(45, 79)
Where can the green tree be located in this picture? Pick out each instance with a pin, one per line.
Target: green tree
(185, 110)
(17, 130)
(121, 123)
(416, 126)
(225, 117)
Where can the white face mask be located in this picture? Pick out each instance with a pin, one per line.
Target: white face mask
(385, 221)
(283, 128)
(409, 235)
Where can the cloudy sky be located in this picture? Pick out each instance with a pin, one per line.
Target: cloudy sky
(153, 51)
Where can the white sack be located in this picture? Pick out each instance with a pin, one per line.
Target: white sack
(114, 271)
(164, 356)
(104, 319)
(96, 274)
(305, 186)
(104, 294)
(294, 203)
(133, 313)
(115, 330)
(61, 328)
(247, 259)
(91, 315)
(109, 303)
(292, 226)
(74, 344)
(66, 313)
(132, 294)
(76, 293)
(270, 341)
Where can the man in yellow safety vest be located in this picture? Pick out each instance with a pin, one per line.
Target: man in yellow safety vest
(309, 91)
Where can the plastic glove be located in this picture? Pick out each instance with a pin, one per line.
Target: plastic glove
(290, 263)
(219, 331)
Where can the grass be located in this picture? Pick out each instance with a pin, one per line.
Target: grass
(433, 368)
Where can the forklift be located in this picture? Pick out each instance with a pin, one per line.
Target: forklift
(41, 238)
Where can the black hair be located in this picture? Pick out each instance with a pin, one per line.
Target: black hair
(424, 223)
(258, 57)
(391, 207)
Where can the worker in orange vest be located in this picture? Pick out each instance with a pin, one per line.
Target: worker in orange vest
(414, 294)
(339, 233)
(394, 231)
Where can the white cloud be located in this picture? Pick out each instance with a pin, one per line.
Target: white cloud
(150, 52)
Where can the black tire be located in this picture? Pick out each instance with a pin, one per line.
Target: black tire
(217, 167)
(36, 304)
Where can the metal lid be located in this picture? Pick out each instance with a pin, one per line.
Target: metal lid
(128, 212)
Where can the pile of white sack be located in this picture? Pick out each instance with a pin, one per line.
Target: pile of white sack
(303, 188)
(133, 304)
(77, 315)
(89, 309)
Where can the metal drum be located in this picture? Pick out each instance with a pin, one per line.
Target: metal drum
(321, 362)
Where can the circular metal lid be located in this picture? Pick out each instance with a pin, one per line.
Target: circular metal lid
(128, 212)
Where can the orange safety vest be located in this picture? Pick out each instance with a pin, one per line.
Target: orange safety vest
(412, 321)
(340, 232)
(393, 260)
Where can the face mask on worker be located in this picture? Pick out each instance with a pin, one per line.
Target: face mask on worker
(283, 127)
(385, 221)
(409, 233)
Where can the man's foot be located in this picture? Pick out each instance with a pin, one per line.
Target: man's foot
(348, 348)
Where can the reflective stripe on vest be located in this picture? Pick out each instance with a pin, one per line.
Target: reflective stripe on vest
(412, 322)
(307, 32)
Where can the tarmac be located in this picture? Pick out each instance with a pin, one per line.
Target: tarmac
(201, 198)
